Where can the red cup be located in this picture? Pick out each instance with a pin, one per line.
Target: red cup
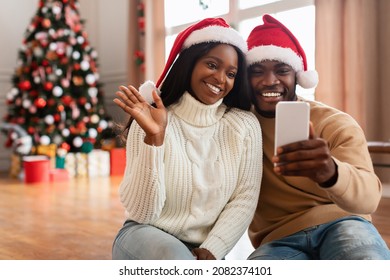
(36, 169)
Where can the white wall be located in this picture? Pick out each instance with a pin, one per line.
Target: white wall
(106, 23)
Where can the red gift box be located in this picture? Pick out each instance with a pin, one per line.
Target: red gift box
(36, 169)
(117, 161)
(59, 174)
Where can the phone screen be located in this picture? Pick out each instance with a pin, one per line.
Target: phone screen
(292, 122)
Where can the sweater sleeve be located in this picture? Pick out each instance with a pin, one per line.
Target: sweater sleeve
(357, 189)
(142, 190)
(238, 213)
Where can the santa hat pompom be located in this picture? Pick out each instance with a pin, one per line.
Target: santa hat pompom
(307, 79)
(146, 90)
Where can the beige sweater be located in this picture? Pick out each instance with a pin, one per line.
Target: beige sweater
(290, 204)
(202, 184)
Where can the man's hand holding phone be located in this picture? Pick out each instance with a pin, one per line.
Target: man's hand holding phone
(298, 151)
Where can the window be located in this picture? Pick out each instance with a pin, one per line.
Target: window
(244, 15)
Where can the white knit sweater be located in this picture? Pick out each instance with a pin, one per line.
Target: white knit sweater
(203, 183)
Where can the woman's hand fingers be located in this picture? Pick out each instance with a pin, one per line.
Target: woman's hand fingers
(128, 98)
(157, 100)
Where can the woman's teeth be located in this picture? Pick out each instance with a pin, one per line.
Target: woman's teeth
(213, 88)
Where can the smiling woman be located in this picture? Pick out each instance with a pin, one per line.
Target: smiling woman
(194, 166)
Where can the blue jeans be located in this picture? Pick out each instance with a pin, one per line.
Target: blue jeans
(349, 238)
(137, 241)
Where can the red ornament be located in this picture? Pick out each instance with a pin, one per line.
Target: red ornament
(65, 146)
(40, 102)
(24, 85)
(67, 100)
(45, 62)
(31, 130)
(49, 70)
(76, 66)
(80, 125)
(48, 86)
(73, 130)
(82, 101)
(77, 28)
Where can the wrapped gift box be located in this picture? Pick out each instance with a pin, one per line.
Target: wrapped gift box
(98, 163)
(93, 164)
(16, 166)
(117, 161)
(81, 165)
(59, 174)
(70, 164)
(49, 151)
(36, 169)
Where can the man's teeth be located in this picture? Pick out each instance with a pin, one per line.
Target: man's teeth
(271, 94)
(213, 88)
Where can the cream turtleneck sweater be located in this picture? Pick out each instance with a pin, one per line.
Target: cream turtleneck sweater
(202, 184)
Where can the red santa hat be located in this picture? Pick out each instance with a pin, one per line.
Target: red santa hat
(207, 30)
(273, 41)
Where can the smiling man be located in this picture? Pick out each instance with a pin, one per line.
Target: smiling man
(316, 195)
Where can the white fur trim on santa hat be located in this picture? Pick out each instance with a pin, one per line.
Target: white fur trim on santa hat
(146, 90)
(271, 52)
(216, 33)
(306, 79)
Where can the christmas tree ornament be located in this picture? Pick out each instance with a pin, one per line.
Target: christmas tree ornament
(44, 140)
(77, 142)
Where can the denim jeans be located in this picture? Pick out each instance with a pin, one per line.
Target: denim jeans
(349, 238)
(136, 241)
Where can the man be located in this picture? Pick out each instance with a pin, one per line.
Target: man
(316, 195)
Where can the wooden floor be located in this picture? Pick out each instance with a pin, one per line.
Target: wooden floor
(76, 220)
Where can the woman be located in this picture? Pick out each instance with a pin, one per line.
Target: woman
(194, 159)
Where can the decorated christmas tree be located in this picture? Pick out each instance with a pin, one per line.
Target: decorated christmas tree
(56, 96)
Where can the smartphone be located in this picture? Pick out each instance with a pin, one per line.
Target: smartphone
(292, 122)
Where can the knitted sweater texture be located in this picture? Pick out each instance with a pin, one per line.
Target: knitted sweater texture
(289, 204)
(202, 184)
